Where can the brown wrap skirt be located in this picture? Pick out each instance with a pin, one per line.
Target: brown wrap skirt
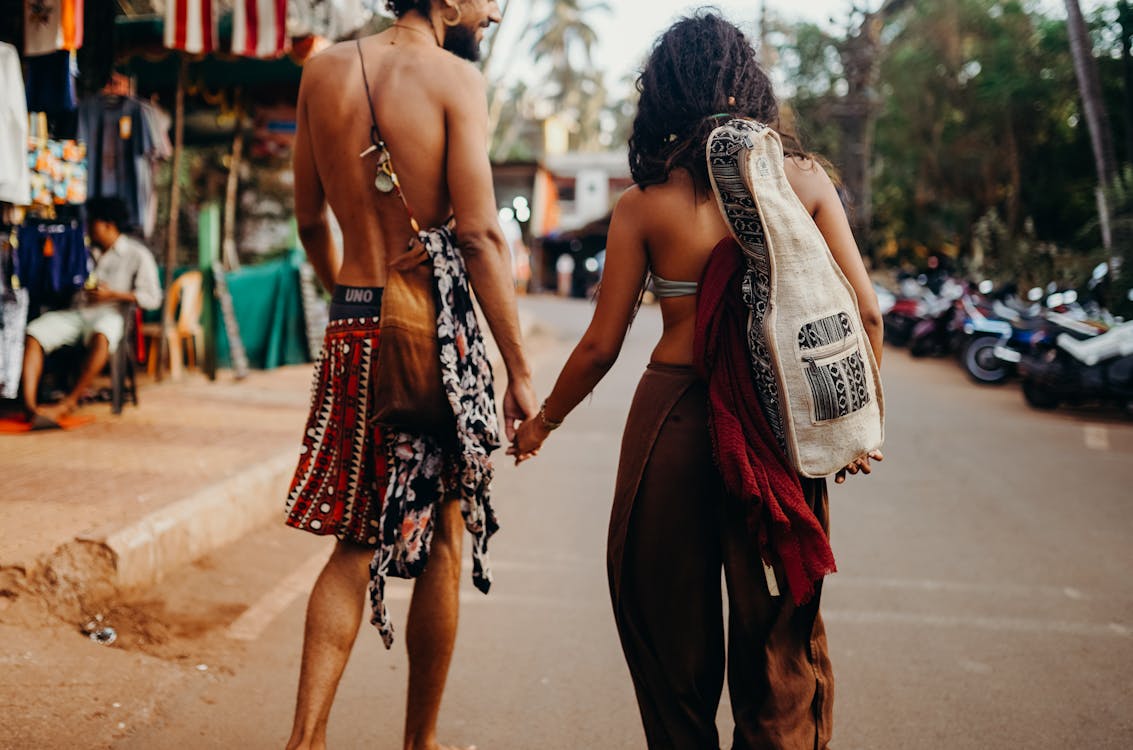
(672, 530)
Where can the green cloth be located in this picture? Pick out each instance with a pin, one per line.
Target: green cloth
(269, 311)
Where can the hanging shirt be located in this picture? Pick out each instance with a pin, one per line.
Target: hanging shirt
(51, 25)
(14, 183)
(51, 82)
(51, 262)
(118, 142)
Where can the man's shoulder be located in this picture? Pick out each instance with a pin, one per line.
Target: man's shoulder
(130, 245)
(332, 58)
(456, 79)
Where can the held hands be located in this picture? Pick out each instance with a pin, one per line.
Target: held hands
(862, 464)
(529, 439)
(520, 404)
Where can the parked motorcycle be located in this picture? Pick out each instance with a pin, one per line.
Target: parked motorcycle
(939, 328)
(984, 334)
(1075, 371)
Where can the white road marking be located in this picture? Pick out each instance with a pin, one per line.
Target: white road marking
(255, 620)
(964, 622)
(957, 587)
(1097, 437)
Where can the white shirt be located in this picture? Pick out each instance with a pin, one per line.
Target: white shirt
(14, 184)
(128, 266)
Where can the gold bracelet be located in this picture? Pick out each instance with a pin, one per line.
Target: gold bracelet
(548, 425)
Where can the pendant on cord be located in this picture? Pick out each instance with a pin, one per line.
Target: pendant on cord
(384, 181)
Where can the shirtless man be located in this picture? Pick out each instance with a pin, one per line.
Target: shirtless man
(431, 109)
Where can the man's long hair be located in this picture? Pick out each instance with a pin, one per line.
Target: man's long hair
(701, 72)
(400, 7)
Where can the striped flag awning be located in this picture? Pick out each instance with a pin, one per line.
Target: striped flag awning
(190, 25)
(259, 28)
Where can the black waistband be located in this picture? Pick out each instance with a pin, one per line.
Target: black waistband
(356, 302)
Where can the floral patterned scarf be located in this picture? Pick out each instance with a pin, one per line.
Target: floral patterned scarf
(422, 471)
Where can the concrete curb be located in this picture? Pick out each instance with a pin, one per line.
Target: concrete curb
(141, 553)
(144, 551)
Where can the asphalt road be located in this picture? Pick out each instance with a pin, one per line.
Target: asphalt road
(982, 600)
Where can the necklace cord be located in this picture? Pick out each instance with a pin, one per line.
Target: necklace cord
(380, 144)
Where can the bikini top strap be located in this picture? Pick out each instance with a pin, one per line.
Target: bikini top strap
(379, 144)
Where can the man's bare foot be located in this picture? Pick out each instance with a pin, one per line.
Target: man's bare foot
(56, 411)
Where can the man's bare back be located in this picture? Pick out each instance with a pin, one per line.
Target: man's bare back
(413, 84)
(431, 109)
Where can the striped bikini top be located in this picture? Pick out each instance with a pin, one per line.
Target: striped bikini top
(666, 289)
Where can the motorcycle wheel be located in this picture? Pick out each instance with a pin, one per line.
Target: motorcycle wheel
(982, 364)
(1038, 397)
(923, 346)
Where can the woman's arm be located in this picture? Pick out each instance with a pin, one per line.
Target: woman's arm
(596, 352)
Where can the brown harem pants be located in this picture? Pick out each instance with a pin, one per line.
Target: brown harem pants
(672, 530)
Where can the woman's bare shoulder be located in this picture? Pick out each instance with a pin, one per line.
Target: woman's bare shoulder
(810, 182)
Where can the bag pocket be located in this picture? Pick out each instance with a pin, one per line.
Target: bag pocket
(834, 368)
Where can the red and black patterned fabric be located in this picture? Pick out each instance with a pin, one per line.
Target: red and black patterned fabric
(341, 477)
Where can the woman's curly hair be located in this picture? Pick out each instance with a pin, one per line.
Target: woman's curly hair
(400, 7)
(700, 72)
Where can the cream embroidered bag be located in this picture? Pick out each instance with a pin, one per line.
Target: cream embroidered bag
(818, 380)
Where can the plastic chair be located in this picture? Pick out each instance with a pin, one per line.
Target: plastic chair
(183, 305)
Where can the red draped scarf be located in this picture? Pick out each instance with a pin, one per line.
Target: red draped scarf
(748, 455)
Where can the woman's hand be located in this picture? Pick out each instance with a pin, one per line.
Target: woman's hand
(861, 464)
(529, 439)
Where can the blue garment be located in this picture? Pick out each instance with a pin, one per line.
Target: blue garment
(51, 278)
(51, 83)
(118, 147)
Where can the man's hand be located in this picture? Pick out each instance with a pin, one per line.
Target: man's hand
(101, 295)
(862, 464)
(520, 403)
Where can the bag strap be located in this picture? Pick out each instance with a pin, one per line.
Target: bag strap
(378, 144)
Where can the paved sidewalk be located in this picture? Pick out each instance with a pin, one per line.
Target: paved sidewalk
(126, 499)
(121, 503)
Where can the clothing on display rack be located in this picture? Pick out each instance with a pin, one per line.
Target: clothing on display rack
(15, 186)
(51, 261)
(122, 145)
(56, 169)
(51, 82)
(13, 328)
(51, 25)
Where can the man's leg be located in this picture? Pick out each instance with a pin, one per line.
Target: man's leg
(98, 352)
(334, 614)
(45, 334)
(430, 633)
(33, 370)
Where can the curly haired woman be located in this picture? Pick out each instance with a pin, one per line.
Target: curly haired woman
(674, 524)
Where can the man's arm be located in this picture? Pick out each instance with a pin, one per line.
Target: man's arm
(147, 286)
(310, 199)
(481, 241)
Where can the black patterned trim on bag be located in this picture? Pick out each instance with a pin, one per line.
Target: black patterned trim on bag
(826, 331)
(838, 387)
(726, 148)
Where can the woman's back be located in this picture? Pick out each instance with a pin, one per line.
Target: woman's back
(679, 231)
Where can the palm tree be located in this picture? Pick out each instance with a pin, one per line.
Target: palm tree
(1093, 107)
(562, 37)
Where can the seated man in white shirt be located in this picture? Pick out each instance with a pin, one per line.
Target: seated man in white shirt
(124, 273)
